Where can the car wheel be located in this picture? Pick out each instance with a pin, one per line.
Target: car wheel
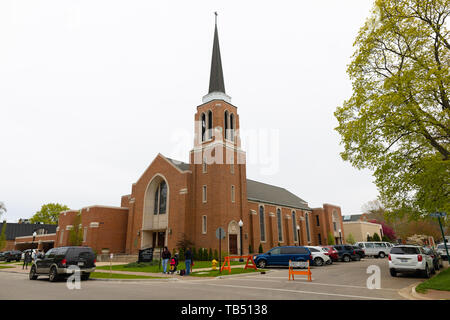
(32, 274)
(53, 275)
(85, 276)
(427, 273)
(329, 262)
(318, 262)
(393, 272)
(346, 258)
(262, 264)
(381, 255)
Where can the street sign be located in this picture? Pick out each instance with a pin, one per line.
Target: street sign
(220, 233)
(438, 214)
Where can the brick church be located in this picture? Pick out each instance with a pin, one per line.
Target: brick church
(173, 199)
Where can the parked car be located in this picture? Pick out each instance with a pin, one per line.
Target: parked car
(280, 256)
(441, 250)
(12, 255)
(360, 252)
(320, 255)
(346, 252)
(2, 256)
(410, 259)
(332, 253)
(375, 249)
(437, 259)
(63, 261)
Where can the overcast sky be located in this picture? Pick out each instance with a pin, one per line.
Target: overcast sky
(91, 91)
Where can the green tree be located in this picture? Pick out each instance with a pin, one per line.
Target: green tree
(369, 238)
(350, 239)
(250, 249)
(210, 255)
(397, 121)
(49, 213)
(376, 237)
(330, 239)
(260, 249)
(76, 233)
(3, 236)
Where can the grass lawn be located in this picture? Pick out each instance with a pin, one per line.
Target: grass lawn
(152, 267)
(438, 282)
(216, 273)
(103, 275)
(5, 267)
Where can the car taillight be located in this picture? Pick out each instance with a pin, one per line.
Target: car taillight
(354, 252)
(63, 262)
(389, 257)
(419, 257)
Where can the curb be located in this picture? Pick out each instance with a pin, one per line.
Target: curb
(132, 280)
(240, 275)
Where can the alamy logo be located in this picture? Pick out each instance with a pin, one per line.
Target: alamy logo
(374, 281)
(74, 281)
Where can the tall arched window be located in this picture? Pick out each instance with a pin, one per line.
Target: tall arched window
(160, 199)
(280, 228)
(308, 235)
(203, 126)
(226, 124)
(210, 124)
(232, 127)
(262, 226)
(294, 226)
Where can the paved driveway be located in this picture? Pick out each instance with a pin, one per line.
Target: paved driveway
(338, 281)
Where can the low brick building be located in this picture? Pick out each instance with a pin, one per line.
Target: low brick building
(173, 200)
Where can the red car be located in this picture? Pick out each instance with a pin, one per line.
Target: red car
(332, 252)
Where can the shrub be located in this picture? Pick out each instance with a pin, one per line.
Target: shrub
(376, 237)
(216, 254)
(330, 239)
(210, 255)
(260, 249)
(250, 249)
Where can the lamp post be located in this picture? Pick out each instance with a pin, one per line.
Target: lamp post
(241, 223)
(298, 234)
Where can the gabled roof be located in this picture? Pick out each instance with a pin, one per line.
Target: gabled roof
(262, 192)
(183, 166)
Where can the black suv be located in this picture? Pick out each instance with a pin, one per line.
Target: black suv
(360, 252)
(346, 252)
(9, 256)
(64, 261)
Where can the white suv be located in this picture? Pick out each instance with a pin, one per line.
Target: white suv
(320, 255)
(407, 259)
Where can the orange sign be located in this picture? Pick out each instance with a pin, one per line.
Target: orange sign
(228, 259)
(293, 264)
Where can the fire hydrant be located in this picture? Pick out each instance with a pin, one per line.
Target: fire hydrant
(214, 264)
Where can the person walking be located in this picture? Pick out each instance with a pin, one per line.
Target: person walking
(26, 260)
(165, 259)
(188, 260)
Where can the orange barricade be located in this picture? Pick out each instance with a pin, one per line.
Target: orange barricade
(228, 259)
(297, 264)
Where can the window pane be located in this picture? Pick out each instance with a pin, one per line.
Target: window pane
(163, 197)
(155, 209)
(261, 224)
(275, 251)
(294, 226)
(307, 227)
(280, 230)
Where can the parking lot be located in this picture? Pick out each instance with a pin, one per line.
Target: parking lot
(341, 280)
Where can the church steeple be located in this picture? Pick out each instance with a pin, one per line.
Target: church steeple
(216, 82)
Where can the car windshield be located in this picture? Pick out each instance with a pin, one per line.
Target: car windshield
(405, 250)
(441, 246)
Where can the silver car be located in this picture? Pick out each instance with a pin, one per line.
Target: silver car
(378, 249)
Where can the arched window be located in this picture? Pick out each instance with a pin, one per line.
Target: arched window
(232, 127)
(308, 235)
(294, 226)
(203, 126)
(262, 224)
(210, 124)
(160, 199)
(226, 124)
(280, 228)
